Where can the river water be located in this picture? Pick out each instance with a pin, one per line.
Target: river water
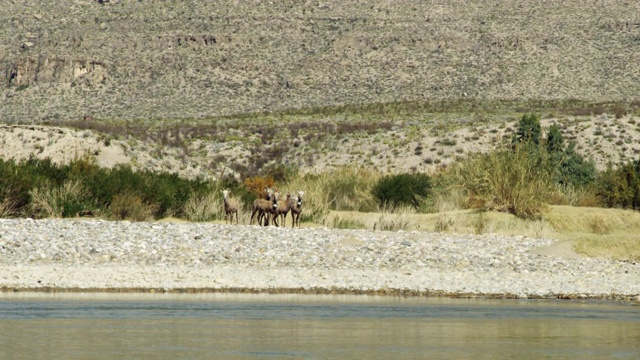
(234, 326)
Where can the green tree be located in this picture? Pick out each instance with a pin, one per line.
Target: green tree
(573, 169)
(555, 140)
(620, 187)
(528, 131)
(569, 167)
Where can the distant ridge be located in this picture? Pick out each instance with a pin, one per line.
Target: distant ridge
(192, 59)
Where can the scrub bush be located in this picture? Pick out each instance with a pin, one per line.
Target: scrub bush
(402, 189)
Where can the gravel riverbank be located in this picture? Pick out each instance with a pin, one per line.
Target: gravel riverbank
(96, 255)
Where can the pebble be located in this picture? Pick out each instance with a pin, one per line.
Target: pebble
(99, 254)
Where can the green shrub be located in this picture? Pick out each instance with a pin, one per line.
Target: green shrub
(573, 169)
(18, 179)
(14, 185)
(555, 140)
(570, 168)
(170, 192)
(528, 130)
(39, 188)
(402, 189)
(620, 187)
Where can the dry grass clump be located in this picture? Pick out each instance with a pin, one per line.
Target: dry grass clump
(55, 201)
(517, 181)
(131, 207)
(7, 208)
(573, 196)
(204, 207)
(446, 207)
(346, 188)
(394, 218)
(343, 223)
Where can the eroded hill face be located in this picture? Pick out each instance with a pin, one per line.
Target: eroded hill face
(243, 150)
(181, 59)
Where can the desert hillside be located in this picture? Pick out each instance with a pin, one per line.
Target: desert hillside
(62, 60)
(242, 149)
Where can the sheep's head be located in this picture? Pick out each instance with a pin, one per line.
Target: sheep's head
(274, 200)
(269, 192)
(225, 193)
(300, 193)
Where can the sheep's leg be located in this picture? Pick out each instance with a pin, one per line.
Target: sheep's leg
(259, 217)
(253, 213)
(262, 215)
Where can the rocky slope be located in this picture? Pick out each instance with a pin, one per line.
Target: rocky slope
(186, 59)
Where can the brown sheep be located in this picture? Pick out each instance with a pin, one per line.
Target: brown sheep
(263, 208)
(283, 208)
(296, 209)
(230, 207)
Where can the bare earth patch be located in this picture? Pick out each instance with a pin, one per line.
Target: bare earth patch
(560, 249)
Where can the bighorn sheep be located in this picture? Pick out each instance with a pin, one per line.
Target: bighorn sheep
(296, 209)
(283, 208)
(272, 212)
(230, 207)
(263, 216)
(263, 208)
